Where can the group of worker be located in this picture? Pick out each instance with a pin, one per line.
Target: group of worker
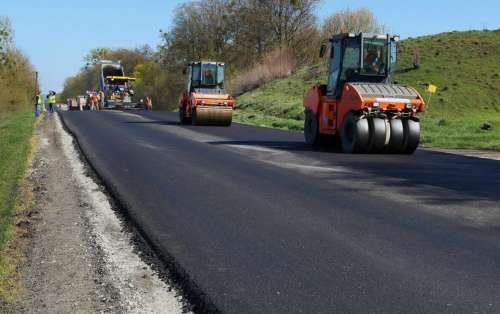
(40, 104)
(95, 102)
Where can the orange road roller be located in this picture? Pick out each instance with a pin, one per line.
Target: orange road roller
(360, 105)
(204, 100)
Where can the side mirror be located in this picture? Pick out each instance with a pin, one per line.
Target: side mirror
(322, 50)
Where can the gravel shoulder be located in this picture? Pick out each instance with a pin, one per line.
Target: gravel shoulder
(80, 256)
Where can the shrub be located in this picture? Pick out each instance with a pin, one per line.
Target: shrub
(279, 63)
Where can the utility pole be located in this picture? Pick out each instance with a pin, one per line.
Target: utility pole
(36, 84)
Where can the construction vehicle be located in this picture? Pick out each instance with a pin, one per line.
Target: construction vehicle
(360, 105)
(117, 88)
(204, 100)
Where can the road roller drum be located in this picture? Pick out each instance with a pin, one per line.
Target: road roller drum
(212, 115)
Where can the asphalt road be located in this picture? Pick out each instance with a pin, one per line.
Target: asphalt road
(260, 223)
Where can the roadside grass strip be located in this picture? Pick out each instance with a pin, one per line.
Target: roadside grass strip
(16, 132)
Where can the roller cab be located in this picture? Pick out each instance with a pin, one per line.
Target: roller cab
(204, 101)
(360, 106)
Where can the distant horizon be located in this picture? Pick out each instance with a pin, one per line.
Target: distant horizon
(56, 46)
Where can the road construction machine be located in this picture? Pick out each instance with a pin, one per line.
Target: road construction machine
(117, 88)
(204, 100)
(360, 105)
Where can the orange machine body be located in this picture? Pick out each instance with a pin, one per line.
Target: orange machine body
(331, 111)
(189, 101)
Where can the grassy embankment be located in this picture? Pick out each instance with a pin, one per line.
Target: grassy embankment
(16, 131)
(464, 65)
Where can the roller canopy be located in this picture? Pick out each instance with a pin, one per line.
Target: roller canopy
(385, 90)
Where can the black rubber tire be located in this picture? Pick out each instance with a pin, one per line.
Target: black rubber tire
(193, 117)
(397, 140)
(355, 134)
(311, 128)
(182, 116)
(412, 136)
(378, 135)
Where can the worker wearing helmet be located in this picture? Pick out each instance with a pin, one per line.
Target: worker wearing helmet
(94, 102)
(38, 105)
(101, 99)
(51, 98)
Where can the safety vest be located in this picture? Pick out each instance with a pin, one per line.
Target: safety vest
(39, 100)
(52, 99)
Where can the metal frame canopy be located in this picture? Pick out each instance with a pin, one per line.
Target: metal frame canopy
(125, 78)
(388, 38)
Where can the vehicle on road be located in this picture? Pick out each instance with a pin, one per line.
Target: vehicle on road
(116, 86)
(361, 105)
(204, 100)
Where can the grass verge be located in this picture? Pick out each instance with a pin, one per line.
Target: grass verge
(16, 141)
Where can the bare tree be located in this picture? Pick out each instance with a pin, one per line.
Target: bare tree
(352, 21)
(288, 18)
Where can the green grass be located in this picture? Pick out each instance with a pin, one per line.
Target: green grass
(464, 65)
(16, 131)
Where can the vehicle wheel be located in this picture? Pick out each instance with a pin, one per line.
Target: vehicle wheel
(412, 135)
(355, 134)
(193, 117)
(311, 133)
(397, 138)
(378, 134)
(182, 116)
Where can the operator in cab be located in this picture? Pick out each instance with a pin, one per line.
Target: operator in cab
(374, 61)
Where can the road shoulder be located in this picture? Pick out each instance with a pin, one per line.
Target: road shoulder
(477, 153)
(80, 257)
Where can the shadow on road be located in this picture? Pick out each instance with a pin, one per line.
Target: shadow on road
(154, 122)
(282, 145)
(473, 178)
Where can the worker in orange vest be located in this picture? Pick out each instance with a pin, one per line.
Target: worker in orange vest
(94, 102)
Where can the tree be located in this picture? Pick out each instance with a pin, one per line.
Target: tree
(349, 21)
(17, 84)
(5, 38)
(288, 18)
(128, 57)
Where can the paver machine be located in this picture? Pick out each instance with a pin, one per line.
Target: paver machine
(117, 88)
(204, 100)
(361, 105)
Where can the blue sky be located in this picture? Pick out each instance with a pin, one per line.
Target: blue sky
(56, 34)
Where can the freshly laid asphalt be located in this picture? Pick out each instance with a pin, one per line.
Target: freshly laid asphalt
(259, 223)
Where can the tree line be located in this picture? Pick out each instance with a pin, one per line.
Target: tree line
(250, 36)
(17, 75)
